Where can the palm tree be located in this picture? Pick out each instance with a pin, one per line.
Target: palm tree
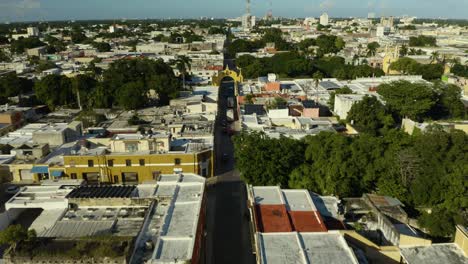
(434, 56)
(372, 48)
(182, 63)
(317, 76)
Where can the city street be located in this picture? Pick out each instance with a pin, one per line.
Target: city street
(227, 225)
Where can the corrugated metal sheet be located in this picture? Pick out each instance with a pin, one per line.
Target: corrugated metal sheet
(273, 218)
(307, 221)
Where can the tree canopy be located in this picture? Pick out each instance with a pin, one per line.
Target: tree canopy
(422, 41)
(22, 44)
(12, 85)
(413, 100)
(370, 116)
(423, 170)
(460, 70)
(409, 66)
(127, 83)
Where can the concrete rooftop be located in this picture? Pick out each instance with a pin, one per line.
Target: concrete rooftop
(314, 248)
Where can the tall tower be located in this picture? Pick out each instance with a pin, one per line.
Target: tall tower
(247, 18)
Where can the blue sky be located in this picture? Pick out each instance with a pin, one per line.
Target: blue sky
(27, 10)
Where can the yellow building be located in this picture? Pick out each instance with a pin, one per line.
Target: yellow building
(135, 168)
(391, 55)
(124, 159)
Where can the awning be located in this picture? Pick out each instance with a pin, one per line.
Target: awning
(40, 169)
(56, 173)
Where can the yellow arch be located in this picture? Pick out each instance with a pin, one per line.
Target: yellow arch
(217, 78)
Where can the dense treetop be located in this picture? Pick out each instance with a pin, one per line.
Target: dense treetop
(410, 66)
(126, 84)
(424, 170)
(422, 41)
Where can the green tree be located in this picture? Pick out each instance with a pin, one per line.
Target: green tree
(435, 56)
(82, 86)
(102, 46)
(54, 90)
(422, 41)
(370, 116)
(132, 95)
(45, 65)
(276, 157)
(403, 50)
(372, 48)
(12, 85)
(154, 75)
(317, 77)
(78, 37)
(413, 100)
(4, 57)
(183, 65)
(329, 44)
(245, 60)
(278, 103)
(450, 103)
(404, 65)
(14, 234)
(19, 46)
(440, 223)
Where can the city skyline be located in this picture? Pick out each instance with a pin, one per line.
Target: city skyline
(44, 10)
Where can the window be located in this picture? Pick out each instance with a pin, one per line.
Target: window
(130, 178)
(91, 178)
(128, 163)
(110, 163)
(131, 147)
(73, 176)
(177, 161)
(90, 163)
(142, 162)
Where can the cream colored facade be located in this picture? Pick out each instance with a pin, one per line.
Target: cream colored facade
(134, 143)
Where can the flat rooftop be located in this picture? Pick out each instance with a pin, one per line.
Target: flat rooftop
(314, 248)
(280, 210)
(40, 197)
(173, 222)
(92, 221)
(434, 254)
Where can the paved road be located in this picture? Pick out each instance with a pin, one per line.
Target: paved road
(228, 235)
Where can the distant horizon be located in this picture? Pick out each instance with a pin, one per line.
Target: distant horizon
(66, 10)
(204, 18)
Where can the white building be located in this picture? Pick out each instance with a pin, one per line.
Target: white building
(344, 102)
(309, 21)
(324, 19)
(33, 31)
